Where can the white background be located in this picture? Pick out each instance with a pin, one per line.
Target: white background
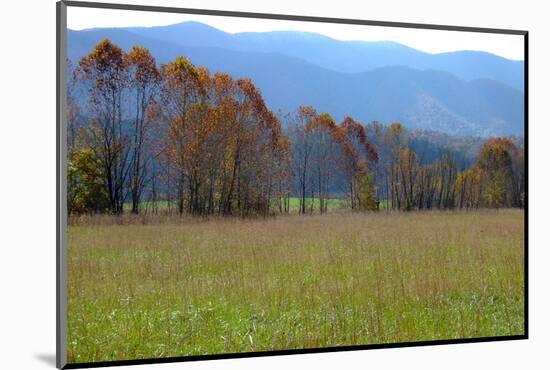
(27, 183)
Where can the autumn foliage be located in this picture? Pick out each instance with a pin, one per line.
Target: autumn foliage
(207, 144)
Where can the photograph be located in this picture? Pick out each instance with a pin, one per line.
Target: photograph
(239, 185)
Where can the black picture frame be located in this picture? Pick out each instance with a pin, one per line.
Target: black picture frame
(61, 170)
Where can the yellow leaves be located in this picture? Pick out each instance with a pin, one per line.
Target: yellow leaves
(209, 126)
(105, 56)
(407, 156)
(307, 112)
(180, 71)
(143, 65)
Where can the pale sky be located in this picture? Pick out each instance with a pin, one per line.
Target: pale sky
(431, 41)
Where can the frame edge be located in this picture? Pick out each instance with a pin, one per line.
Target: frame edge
(288, 17)
(61, 189)
(61, 186)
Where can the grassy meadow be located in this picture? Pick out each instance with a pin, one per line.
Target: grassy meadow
(142, 289)
(293, 204)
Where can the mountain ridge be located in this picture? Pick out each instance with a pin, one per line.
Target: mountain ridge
(341, 55)
(427, 99)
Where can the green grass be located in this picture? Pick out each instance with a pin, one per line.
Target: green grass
(294, 204)
(161, 205)
(227, 285)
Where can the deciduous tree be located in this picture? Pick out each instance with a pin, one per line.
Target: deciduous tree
(105, 70)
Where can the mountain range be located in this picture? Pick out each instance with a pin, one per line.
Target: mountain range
(463, 92)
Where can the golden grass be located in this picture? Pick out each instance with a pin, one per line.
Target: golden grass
(228, 285)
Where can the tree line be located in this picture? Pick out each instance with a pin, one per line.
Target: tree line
(207, 144)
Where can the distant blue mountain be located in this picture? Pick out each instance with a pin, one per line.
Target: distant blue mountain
(428, 98)
(343, 56)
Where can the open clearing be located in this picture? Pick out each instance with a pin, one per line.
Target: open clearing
(231, 285)
(293, 203)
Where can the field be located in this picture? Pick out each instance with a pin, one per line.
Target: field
(143, 289)
(294, 204)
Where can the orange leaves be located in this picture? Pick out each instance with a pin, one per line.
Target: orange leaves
(326, 153)
(153, 111)
(497, 153)
(181, 80)
(501, 163)
(144, 66)
(321, 122)
(307, 112)
(105, 65)
(357, 135)
(221, 137)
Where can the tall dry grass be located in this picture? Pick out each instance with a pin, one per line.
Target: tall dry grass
(176, 288)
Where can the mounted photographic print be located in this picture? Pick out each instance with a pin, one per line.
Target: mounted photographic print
(237, 184)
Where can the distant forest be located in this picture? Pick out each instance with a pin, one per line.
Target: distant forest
(142, 135)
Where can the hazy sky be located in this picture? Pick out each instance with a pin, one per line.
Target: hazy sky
(432, 41)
